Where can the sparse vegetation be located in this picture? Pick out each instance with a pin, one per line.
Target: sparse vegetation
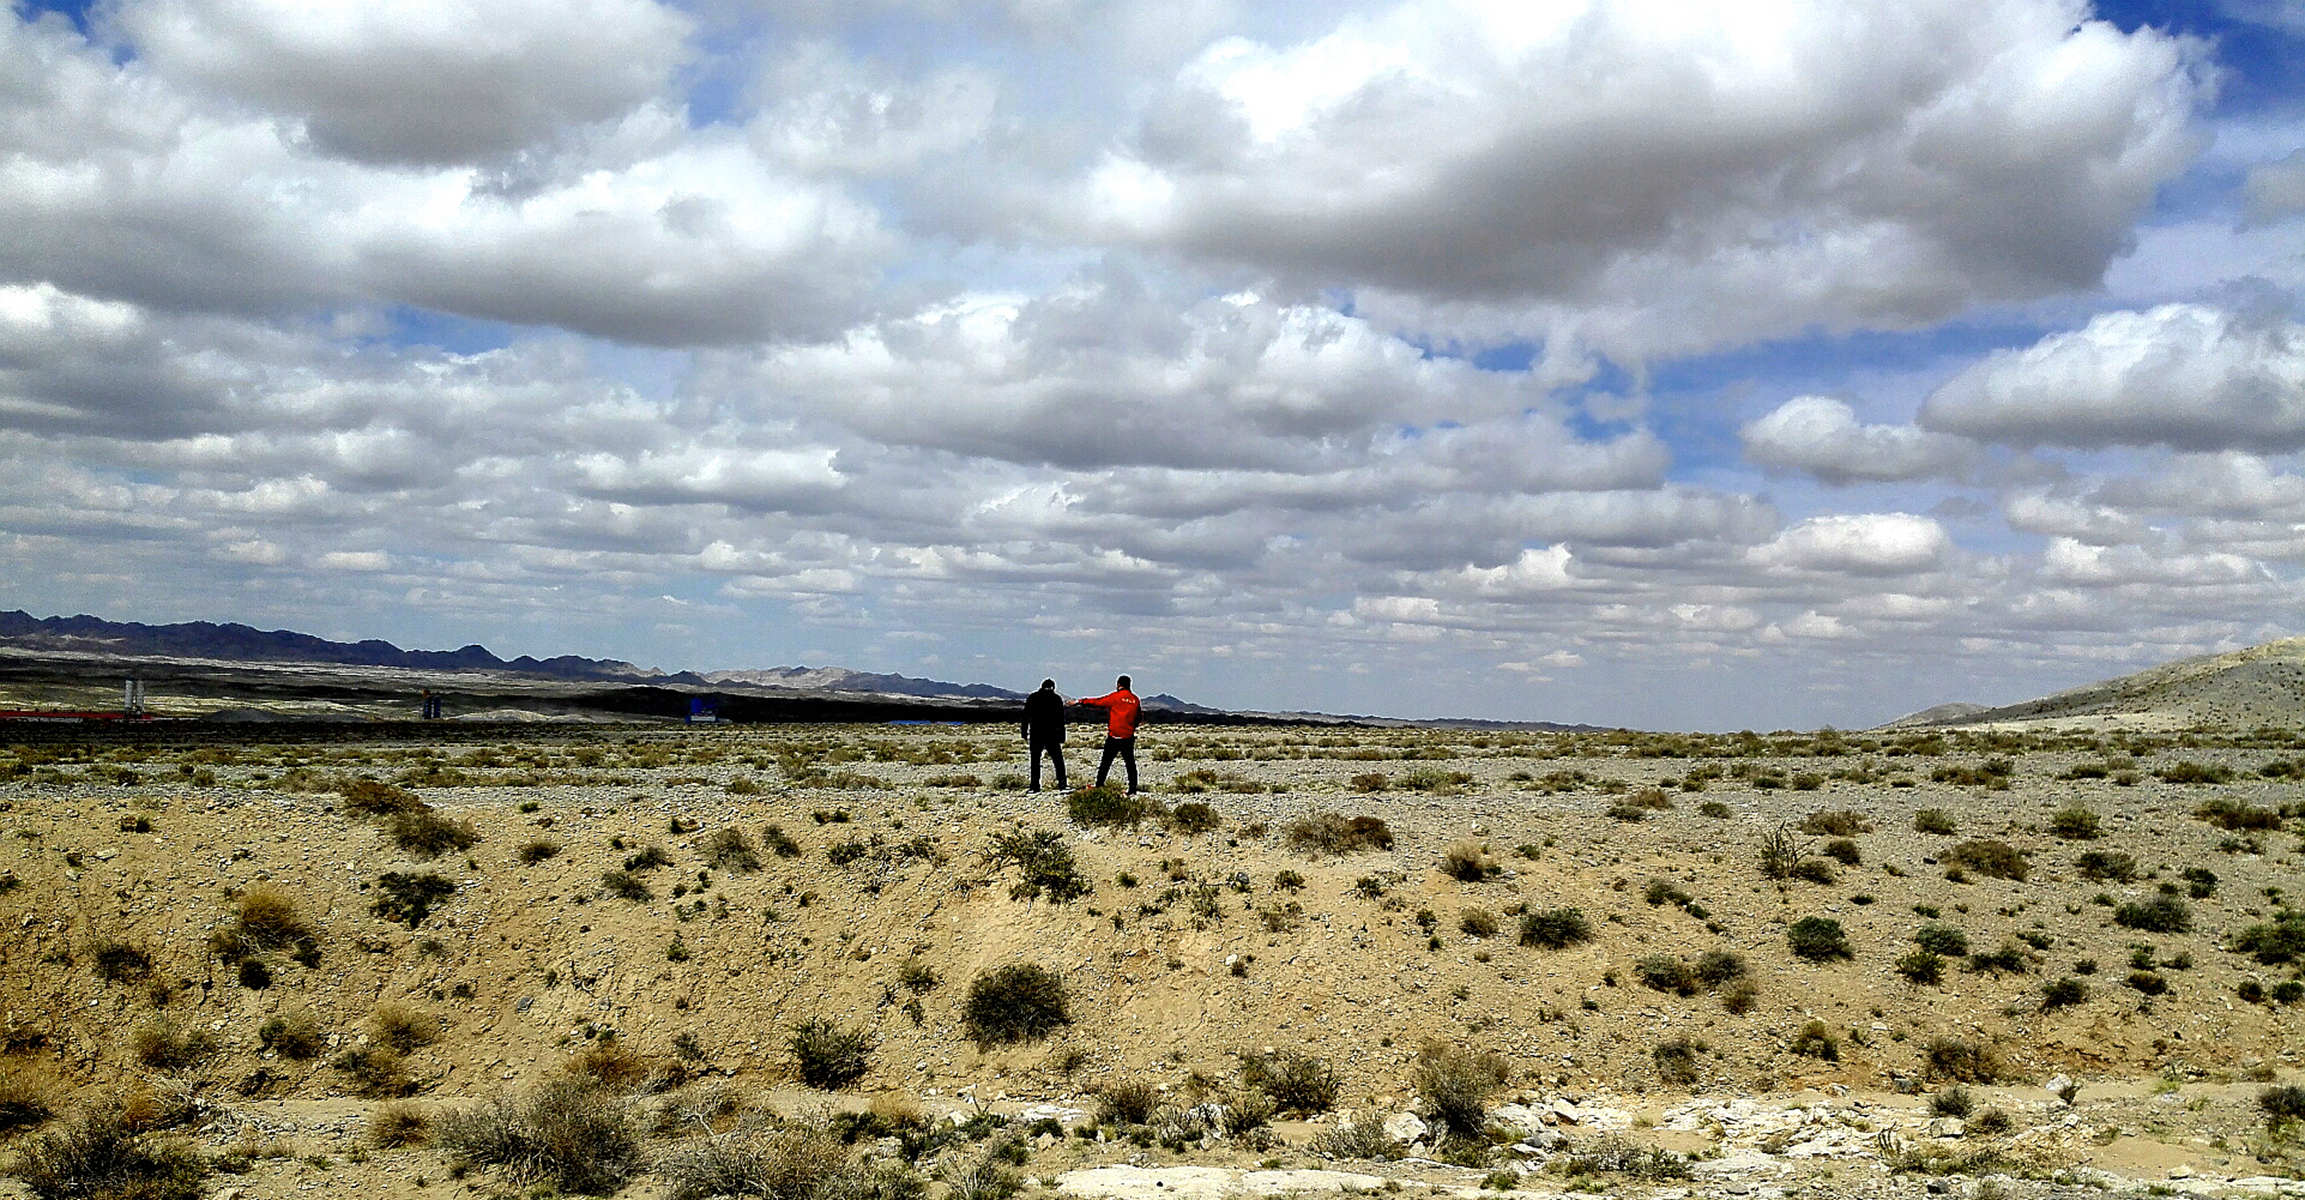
(1111, 805)
(1045, 865)
(1676, 1060)
(166, 1044)
(408, 897)
(1016, 1003)
(427, 834)
(1456, 1083)
(104, 1154)
(1818, 939)
(1468, 862)
(1816, 1040)
(1960, 1060)
(1330, 833)
(1987, 857)
(567, 1133)
(827, 1056)
(1555, 928)
(729, 850)
(1300, 1084)
(403, 1027)
(2155, 914)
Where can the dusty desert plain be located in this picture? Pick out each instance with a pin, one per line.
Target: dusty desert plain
(836, 962)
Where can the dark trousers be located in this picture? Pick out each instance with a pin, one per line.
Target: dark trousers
(1055, 752)
(1125, 750)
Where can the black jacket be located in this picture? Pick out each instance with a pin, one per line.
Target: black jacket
(1044, 718)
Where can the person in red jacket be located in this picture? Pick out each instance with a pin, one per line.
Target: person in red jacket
(1121, 708)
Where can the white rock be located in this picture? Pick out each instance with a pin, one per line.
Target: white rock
(1405, 1127)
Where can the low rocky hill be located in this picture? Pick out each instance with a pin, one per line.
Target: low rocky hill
(2262, 685)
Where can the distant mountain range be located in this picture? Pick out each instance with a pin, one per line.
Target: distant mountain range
(232, 642)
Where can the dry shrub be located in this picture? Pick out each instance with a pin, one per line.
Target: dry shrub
(1333, 833)
(1817, 939)
(427, 834)
(1676, 1060)
(1666, 973)
(1837, 823)
(1127, 1102)
(166, 1044)
(409, 896)
(611, 1064)
(1960, 1060)
(1468, 861)
(827, 1056)
(1194, 817)
(2155, 914)
(403, 1027)
(1616, 1154)
(1456, 1084)
(374, 798)
(117, 960)
(104, 1154)
(1299, 1083)
(293, 1035)
(568, 1133)
(27, 1096)
(1555, 928)
(1816, 1040)
(374, 1071)
(2235, 816)
(1360, 1135)
(1109, 805)
(1015, 1003)
(266, 918)
(1985, 856)
(800, 1160)
(730, 850)
(398, 1124)
(1934, 820)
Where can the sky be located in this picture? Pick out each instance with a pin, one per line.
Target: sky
(1767, 365)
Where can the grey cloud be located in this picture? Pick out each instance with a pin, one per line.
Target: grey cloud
(2275, 190)
(1822, 437)
(431, 84)
(1100, 375)
(2180, 375)
(646, 231)
(1876, 168)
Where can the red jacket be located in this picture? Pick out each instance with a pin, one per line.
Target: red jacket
(1120, 712)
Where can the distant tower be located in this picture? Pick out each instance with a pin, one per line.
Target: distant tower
(132, 698)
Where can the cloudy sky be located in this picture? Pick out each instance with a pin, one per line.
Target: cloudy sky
(1676, 365)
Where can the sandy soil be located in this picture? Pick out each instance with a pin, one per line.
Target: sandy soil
(1192, 948)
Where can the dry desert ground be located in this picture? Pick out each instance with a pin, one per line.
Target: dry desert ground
(2002, 962)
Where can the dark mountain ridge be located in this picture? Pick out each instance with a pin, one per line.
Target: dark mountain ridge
(243, 643)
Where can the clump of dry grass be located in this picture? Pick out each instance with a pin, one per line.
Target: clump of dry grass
(568, 1133)
(1468, 861)
(1333, 833)
(392, 1126)
(403, 1027)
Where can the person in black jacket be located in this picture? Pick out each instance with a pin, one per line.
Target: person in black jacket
(1044, 730)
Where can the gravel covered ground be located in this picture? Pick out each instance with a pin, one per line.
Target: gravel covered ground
(1682, 1019)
